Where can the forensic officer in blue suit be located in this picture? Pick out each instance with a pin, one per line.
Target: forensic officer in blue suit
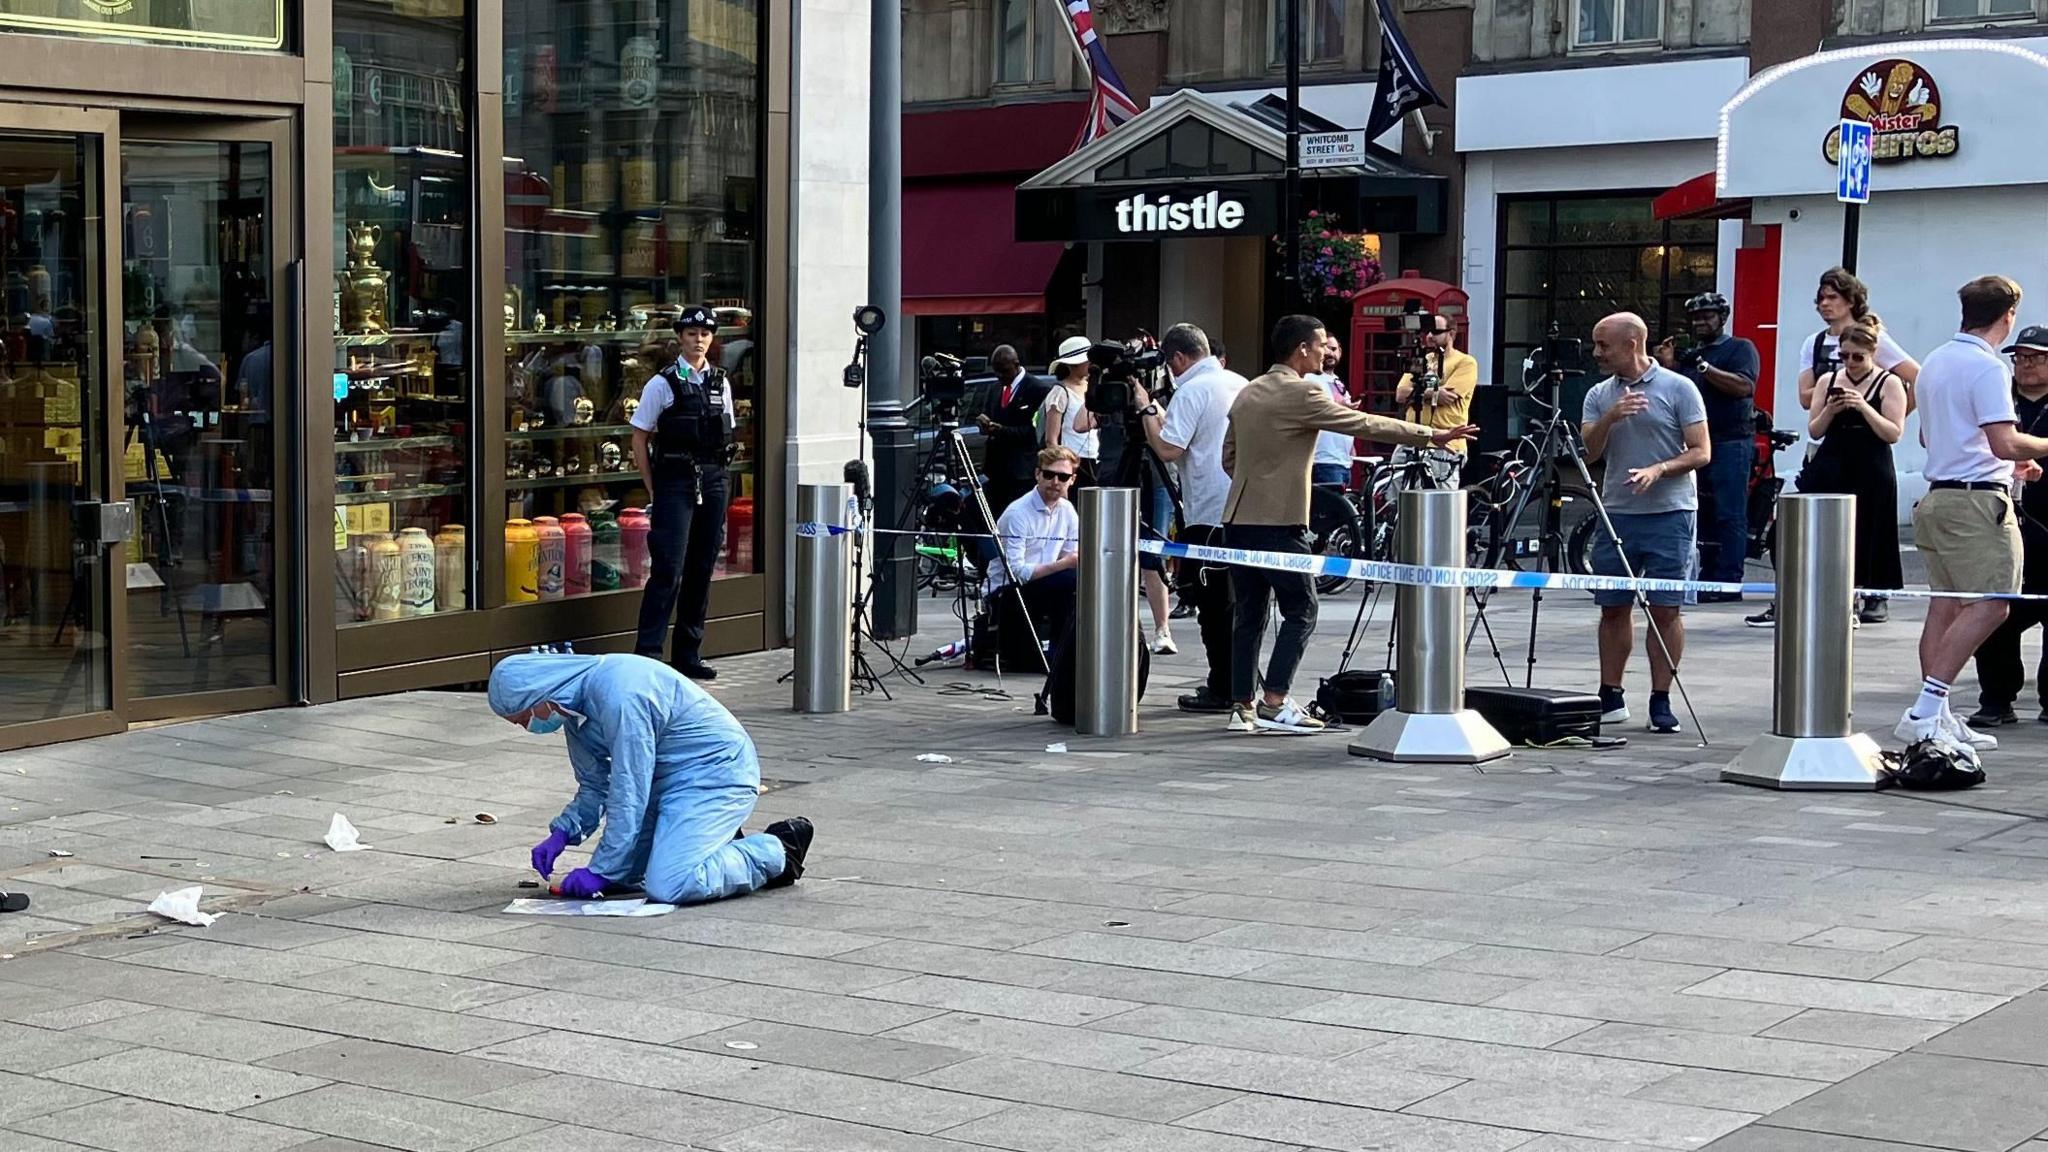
(682, 442)
(663, 767)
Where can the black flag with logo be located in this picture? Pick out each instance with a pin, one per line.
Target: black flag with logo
(1402, 86)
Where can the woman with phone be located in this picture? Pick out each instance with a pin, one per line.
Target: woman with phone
(1858, 413)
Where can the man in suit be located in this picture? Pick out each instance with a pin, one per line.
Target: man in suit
(1011, 456)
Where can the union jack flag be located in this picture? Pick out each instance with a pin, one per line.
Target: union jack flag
(1109, 104)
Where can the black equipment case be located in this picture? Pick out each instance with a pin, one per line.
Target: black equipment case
(1536, 715)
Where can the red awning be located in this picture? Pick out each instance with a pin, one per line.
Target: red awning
(1696, 200)
(959, 257)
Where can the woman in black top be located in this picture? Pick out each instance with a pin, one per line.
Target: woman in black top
(1858, 413)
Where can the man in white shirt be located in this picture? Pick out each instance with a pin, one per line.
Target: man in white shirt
(1965, 526)
(1189, 435)
(1040, 535)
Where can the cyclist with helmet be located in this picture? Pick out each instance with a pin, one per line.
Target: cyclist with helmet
(1724, 368)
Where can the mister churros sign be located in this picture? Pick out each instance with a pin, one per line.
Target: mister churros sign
(1902, 104)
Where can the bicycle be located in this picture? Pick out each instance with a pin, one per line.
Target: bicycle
(1358, 523)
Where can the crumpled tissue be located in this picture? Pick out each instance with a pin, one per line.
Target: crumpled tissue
(342, 835)
(183, 906)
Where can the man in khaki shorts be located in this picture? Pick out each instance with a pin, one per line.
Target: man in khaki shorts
(1965, 526)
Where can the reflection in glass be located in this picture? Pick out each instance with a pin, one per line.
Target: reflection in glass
(629, 194)
(53, 593)
(401, 299)
(196, 290)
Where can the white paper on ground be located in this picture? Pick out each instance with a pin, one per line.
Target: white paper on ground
(934, 758)
(1055, 747)
(538, 907)
(342, 835)
(183, 906)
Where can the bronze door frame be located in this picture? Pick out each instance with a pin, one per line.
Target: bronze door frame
(287, 308)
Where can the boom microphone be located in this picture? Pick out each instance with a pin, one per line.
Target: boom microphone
(856, 474)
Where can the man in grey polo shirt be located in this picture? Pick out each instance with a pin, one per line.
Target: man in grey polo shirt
(1650, 426)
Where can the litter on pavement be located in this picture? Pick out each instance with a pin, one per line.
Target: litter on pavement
(342, 835)
(182, 905)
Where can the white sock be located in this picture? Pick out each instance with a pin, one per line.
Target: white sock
(1933, 699)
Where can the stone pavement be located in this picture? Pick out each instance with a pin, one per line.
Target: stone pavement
(1180, 942)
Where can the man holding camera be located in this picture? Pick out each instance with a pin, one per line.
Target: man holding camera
(1011, 456)
(1268, 451)
(1724, 369)
(1189, 434)
(682, 441)
(1442, 398)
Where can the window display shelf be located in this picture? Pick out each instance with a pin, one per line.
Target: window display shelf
(572, 432)
(394, 495)
(395, 444)
(579, 480)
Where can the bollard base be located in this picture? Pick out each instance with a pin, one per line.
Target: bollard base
(1810, 763)
(1435, 738)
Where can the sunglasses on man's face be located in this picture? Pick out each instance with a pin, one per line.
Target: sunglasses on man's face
(1062, 477)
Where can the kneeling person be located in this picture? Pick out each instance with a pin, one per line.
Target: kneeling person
(1040, 535)
(663, 767)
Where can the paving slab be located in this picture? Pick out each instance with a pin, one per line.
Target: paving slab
(183, 1079)
(1941, 1101)
(394, 1120)
(124, 1124)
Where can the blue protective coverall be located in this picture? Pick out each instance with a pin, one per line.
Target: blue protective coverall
(666, 770)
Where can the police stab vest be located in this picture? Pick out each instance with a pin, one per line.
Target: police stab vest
(692, 429)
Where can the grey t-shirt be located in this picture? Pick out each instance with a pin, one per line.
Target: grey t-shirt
(1638, 441)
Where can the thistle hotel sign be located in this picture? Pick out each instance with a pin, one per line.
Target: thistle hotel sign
(1902, 104)
(1145, 214)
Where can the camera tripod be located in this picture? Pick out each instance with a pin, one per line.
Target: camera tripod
(1561, 446)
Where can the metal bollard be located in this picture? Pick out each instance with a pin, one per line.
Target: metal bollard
(1811, 744)
(1106, 658)
(824, 603)
(1430, 723)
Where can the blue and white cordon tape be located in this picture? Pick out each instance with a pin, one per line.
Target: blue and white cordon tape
(1387, 572)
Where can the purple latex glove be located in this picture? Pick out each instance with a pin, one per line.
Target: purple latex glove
(545, 852)
(583, 884)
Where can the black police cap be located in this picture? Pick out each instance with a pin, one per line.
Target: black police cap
(697, 316)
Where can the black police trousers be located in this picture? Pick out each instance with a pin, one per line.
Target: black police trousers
(687, 526)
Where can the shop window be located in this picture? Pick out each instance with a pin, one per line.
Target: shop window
(1322, 32)
(1618, 23)
(254, 24)
(1573, 260)
(1026, 32)
(1978, 9)
(631, 192)
(403, 394)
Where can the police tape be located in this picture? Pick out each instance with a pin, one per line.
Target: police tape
(1416, 575)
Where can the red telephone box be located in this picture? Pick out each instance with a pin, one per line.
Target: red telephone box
(1375, 360)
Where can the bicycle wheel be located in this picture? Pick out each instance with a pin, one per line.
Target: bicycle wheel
(1336, 531)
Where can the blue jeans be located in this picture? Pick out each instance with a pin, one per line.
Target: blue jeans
(1337, 474)
(1724, 510)
(1658, 546)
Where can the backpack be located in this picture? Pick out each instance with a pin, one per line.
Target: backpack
(1058, 696)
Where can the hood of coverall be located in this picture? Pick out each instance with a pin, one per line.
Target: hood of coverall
(519, 682)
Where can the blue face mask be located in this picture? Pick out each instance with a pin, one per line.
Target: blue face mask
(543, 725)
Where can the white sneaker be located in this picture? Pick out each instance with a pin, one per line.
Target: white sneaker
(1953, 727)
(1163, 644)
(1240, 719)
(1912, 729)
(1289, 717)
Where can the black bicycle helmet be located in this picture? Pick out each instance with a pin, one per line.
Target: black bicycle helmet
(1708, 302)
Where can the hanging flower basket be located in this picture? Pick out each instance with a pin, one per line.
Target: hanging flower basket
(1335, 265)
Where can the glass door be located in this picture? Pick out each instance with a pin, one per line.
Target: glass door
(203, 336)
(59, 633)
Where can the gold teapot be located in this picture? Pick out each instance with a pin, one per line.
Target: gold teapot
(367, 286)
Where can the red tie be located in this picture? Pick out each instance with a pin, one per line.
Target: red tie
(1009, 393)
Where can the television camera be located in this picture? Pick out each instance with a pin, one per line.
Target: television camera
(943, 379)
(1118, 365)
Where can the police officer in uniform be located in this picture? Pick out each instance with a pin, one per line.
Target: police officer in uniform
(682, 441)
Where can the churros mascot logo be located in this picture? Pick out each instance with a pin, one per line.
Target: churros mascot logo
(1902, 105)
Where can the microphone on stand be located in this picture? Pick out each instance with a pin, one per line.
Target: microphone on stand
(856, 474)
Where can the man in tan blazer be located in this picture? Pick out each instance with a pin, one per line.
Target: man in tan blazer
(1267, 451)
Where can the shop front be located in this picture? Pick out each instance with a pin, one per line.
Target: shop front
(1179, 209)
(319, 330)
(1956, 191)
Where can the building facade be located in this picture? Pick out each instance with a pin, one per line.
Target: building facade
(322, 321)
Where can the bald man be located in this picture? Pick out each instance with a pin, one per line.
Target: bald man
(1649, 424)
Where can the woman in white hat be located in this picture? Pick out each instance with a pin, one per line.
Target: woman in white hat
(1056, 417)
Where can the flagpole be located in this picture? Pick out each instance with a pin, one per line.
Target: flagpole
(1291, 211)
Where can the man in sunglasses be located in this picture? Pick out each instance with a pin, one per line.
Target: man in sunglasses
(1040, 535)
